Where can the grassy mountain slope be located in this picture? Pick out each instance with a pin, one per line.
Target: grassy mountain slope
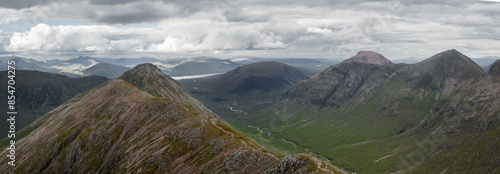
(258, 77)
(434, 116)
(144, 122)
(39, 92)
(246, 88)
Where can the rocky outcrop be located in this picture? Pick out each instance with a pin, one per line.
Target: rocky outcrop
(338, 84)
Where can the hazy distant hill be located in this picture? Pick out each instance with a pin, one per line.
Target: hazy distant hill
(482, 61)
(259, 77)
(312, 64)
(439, 115)
(411, 60)
(25, 64)
(39, 92)
(105, 69)
(129, 62)
(143, 122)
(204, 66)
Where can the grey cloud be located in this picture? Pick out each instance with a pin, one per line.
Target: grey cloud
(127, 18)
(4, 39)
(185, 5)
(136, 12)
(20, 4)
(438, 2)
(245, 16)
(110, 2)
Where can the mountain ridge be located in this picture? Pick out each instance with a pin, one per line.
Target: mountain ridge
(118, 128)
(431, 117)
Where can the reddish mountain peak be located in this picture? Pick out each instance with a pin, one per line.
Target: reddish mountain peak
(369, 57)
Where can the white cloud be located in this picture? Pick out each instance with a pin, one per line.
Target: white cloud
(93, 38)
(278, 28)
(9, 15)
(173, 45)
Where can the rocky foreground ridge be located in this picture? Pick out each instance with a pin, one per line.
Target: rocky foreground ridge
(143, 122)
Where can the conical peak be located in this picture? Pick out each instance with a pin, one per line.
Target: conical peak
(146, 72)
(444, 65)
(451, 57)
(149, 78)
(369, 57)
(146, 68)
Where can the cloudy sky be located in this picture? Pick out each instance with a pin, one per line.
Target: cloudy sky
(47, 29)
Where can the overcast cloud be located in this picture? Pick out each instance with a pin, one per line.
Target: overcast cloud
(46, 29)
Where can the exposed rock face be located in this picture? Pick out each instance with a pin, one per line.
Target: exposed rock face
(144, 122)
(359, 76)
(369, 57)
(494, 69)
(337, 84)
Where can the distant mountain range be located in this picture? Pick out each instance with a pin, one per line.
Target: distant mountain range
(369, 115)
(39, 92)
(144, 122)
(112, 68)
(77, 67)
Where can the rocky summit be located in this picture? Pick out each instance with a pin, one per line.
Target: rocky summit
(143, 122)
(369, 57)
